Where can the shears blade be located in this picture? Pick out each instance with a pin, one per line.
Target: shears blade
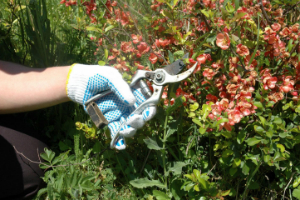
(177, 66)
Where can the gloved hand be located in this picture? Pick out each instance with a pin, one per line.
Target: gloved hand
(85, 81)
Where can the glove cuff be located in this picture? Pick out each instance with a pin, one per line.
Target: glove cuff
(76, 83)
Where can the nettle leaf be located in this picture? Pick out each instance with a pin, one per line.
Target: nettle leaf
(145, 182)
(152, 144)
(252, 141)
(160, 195)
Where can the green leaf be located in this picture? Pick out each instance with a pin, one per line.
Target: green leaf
(236, 162)
(241, 136)
(286, 106)
(145, 182)
(296, 182)
(296, 193)
(259, 129)
(194, 106)
(297, 110)
(109, 28)
(252, 141)
(263, 120)
(197, 173)
(171, 56)
(232, 171)
(101, 63)
(277, 120)
(179, 54)
(152, 144)
(237, 4)
(258, 105)
(227, 134)
(105, 54)
(197, 121)
(177, 168)
(281, 147)
(227, 153)
(160, 195)
(222, 120)
(48, 155)
(93, 28)
(202, 130)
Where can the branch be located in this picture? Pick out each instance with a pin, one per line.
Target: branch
(283, 62)
(288, 184)
(52, 166)
(204, 18)
(264, 13)
(291, 8)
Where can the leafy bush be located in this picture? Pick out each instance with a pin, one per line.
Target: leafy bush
(230, 131)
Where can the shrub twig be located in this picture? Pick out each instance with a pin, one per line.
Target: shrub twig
(264, 13)
(288, 184)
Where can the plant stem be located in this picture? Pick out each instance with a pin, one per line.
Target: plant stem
(250, 179)
(164, 150)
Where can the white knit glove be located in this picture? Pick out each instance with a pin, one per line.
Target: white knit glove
(85, 81)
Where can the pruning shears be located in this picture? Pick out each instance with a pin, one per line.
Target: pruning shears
(159, 78)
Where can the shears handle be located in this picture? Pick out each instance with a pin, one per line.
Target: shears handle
(152, 101)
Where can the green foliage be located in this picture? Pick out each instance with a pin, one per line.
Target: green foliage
(181, 154)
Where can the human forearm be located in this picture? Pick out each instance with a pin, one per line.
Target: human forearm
(24, 89)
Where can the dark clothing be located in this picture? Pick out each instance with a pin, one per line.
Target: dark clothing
(19, 178)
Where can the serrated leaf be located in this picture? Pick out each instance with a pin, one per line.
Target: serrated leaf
(177, 168)
(152, 144)
(48, 155)
(145, 182)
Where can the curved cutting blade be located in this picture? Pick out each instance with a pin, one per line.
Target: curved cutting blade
(176, 66)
